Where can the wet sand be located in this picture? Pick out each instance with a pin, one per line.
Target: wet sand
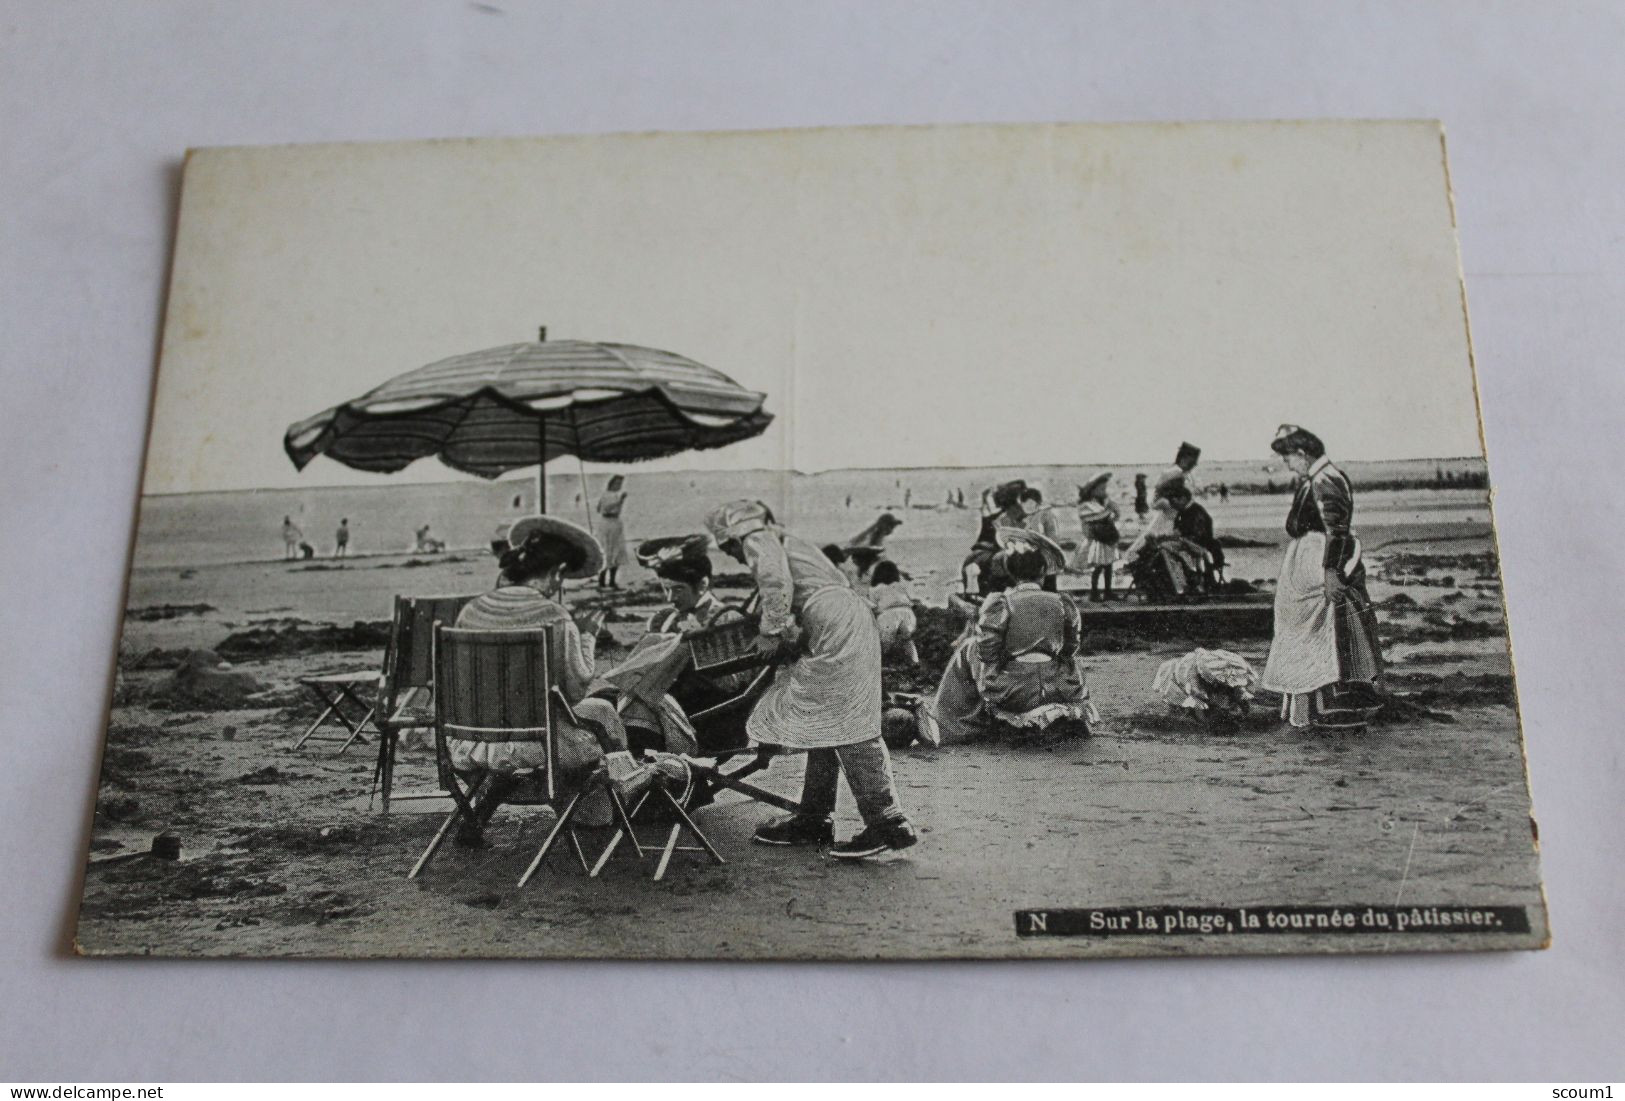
(282, 857)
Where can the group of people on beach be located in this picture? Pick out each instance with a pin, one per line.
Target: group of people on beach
(1176, 555)
(826, 618)
(294, 545)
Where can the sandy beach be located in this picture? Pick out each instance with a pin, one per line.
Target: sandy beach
(282, 855)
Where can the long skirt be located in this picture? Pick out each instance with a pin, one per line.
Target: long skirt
(612, 537)
(1047, 691)
(1092, 553)
(577, 751)
(1324, 657)
(830, 695)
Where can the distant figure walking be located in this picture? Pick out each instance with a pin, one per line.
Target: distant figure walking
(849, 500)
(1224, 492)
(341, 540)
(611, 535)
(1142, 504)
(908, 497)
(291, 538)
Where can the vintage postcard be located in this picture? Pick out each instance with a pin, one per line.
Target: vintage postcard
(887, 543)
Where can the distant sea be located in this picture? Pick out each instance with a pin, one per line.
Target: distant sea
(196, 529)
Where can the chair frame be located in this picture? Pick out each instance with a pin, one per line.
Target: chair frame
(553, 706)
(399, 685)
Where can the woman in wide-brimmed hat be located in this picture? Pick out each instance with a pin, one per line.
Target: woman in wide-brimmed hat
(1324, 655)
(1097, 513)
(826, 699)
(542, 552)
(1016, 667)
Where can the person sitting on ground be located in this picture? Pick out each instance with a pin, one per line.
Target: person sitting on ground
(1193, 522)
(1039, 517)
(428, 544)
(1167, 568)
(894, 613)
(544, 551)
(1001, 510)
(1017, 668)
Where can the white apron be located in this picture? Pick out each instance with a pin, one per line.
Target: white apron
(830, 695)
(1303, 651)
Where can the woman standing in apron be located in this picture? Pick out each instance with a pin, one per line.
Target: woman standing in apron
(826, 699)
(611, 535)
(1324, 657)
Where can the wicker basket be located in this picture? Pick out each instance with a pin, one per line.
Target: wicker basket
(727, 648)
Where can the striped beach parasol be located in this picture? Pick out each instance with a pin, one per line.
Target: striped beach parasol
(519, 405)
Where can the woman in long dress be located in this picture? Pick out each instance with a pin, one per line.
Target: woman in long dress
(1325, 657)
(826, 698)
(611, 535)
(1016, 668)
(543, 551)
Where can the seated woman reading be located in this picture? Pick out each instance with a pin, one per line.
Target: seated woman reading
(656, 685)
(543, 551)
(1017, 669)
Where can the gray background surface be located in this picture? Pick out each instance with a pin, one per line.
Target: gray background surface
(98, 100)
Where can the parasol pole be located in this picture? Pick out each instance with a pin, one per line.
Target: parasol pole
(541, 466)
(586, 494)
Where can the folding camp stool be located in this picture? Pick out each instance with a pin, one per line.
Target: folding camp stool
(659, 791)
(336, 691)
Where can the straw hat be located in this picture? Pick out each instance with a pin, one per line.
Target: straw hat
(592, 554)
(1014, 539)
(685, 558)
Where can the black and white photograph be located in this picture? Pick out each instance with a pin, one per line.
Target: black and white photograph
(987, 541)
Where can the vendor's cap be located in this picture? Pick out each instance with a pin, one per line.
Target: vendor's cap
(1093, 485)
(592, 554)
(737, 519)
(1188, 451)
(1018, 539)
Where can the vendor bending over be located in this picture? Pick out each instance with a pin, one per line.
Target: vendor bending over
(826, 700)
(1017, 667)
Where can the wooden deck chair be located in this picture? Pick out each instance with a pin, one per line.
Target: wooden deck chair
(723, 653)
(503, 686)
(406, 686)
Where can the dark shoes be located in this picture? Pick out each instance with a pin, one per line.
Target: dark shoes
(876, 841)
(796, 829)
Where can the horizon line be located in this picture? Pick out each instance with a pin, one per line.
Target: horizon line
(531, 478)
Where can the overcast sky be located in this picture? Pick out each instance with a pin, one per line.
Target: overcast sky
(906, 296)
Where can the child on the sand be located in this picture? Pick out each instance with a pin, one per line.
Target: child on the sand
(894, 612)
